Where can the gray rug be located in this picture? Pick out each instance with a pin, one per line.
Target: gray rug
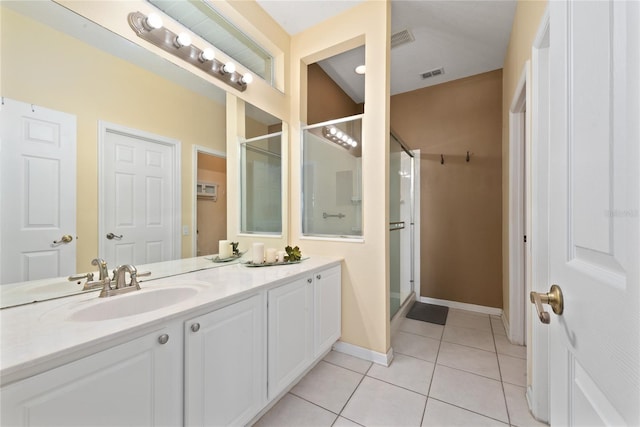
(428, 313)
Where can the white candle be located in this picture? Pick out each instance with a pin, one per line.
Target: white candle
(271, 255)
(257, 253)
(224, 249)
(281, 255)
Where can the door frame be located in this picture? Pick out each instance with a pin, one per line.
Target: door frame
(194, 181)
(519, 131)
(103, 128)
(538, 392)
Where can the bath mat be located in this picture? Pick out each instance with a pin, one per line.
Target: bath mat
(428, 313)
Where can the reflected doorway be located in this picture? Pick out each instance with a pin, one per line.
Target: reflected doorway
(211, 201)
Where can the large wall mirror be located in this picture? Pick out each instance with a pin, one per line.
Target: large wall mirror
(118, 97)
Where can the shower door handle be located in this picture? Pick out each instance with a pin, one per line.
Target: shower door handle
(397, 225)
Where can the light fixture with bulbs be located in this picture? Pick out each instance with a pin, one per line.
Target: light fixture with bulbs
(151, 29)
(339, 137)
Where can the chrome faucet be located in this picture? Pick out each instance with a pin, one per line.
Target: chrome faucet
(120, 285)
(90, 283)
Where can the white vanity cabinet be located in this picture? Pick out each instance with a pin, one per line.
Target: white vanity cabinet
(136, 383)
(225, 364)
(304, 322)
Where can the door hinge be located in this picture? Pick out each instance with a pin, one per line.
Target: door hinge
(525, 238)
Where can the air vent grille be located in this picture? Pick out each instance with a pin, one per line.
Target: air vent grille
(432, 73)
(401, 37)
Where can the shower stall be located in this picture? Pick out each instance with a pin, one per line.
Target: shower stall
(402, 224)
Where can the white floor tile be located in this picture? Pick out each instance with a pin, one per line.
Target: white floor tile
(513, 370)
(376, 403)
(328, 386)
(505, 347)
(348, 361)
(426, 329)
(406, 371)
(343, 422)
(469, 337)
(293, 411)
(414, 345)
(518, 408)
(440, 414)
(467, 319)
(497, 326)
(469, 391)
(469, 359)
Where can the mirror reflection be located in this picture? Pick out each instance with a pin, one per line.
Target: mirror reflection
(134, 118)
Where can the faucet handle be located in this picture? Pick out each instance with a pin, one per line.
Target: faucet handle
(88, 276)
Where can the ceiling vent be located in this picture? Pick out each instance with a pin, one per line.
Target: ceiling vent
(401, 37)
(433, 73)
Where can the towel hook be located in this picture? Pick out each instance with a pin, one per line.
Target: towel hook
(468, 156)
(442, 159)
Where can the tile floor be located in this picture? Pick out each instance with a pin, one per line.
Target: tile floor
(463, 374)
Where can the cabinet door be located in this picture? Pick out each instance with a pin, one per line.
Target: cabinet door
(225, 364)
(290, 333)
(327, 299)
(137, 383)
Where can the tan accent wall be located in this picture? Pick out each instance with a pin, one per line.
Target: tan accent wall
(527, 19)
(326, 100)
(460, 210)
(212, 215)
(71, 76)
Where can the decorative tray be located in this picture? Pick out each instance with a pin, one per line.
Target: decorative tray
(272, 264)
(231, 258)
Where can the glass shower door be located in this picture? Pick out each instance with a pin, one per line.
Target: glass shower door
(400, 225)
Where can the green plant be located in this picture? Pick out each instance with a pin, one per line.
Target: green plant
(293, 254)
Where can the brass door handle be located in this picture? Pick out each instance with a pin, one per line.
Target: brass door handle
(64, 239)
(553, 298)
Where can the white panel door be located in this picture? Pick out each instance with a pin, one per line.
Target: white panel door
(38, 187)
(139, 200)
(593, 212)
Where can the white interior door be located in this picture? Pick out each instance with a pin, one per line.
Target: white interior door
(38, 182)
(594, 221)
(140, 198)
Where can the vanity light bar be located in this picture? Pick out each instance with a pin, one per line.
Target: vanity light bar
(338, 136)
(150, 29)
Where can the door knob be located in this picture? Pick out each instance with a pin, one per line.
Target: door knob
(112, 236)
(553, 298)
(64, 239)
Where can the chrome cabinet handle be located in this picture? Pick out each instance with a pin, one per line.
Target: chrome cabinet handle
(554, 298)
(112, 236)
(163, 339)
(64, 239)
(195, 327)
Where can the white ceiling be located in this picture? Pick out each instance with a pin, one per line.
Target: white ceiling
(465, 37)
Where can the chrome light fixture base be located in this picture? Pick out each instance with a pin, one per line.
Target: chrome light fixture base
(165, 39)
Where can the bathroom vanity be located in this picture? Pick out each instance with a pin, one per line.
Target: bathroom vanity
(211, 347)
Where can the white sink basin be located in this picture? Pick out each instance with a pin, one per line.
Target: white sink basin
(134, 303)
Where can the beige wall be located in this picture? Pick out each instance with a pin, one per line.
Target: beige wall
(325, 99)
(460, 210)
(525, 25)
(212, 215)
(365, 283)
(68, 75)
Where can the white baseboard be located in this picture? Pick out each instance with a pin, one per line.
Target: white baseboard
(463, 306)
(505, 323)
(364, 353)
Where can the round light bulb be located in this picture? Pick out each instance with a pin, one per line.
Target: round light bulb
(345, 138)
(333, 131)
(360, 69)
(247, 78)
(183, 40)
(339, 135)
(229, 68)
(207, 55)
(153, 21)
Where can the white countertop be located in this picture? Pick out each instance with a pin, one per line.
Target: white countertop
(37, 337)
